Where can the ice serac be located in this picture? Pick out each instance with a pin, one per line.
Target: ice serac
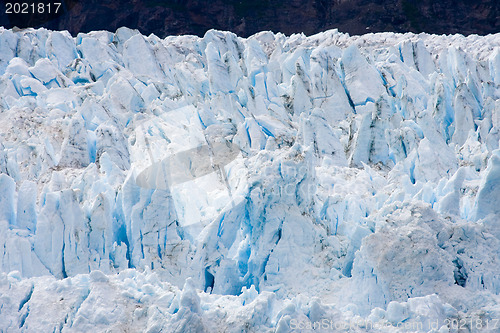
(363, 82)
(274, 183)
(489, 189)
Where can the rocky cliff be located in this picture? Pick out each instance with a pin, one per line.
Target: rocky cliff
(176, 17)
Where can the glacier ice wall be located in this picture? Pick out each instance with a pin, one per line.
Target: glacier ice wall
(358, 177)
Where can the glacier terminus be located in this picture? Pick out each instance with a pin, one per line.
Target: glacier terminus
(324, 183)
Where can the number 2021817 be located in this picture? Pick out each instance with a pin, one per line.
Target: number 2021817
(32, 8)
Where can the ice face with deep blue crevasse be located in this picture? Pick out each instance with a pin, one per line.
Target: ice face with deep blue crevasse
(272, 183)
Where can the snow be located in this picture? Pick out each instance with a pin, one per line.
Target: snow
(322, 183)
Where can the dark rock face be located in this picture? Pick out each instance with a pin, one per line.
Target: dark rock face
(175, 17)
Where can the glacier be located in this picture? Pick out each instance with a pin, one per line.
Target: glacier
(326, 183)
